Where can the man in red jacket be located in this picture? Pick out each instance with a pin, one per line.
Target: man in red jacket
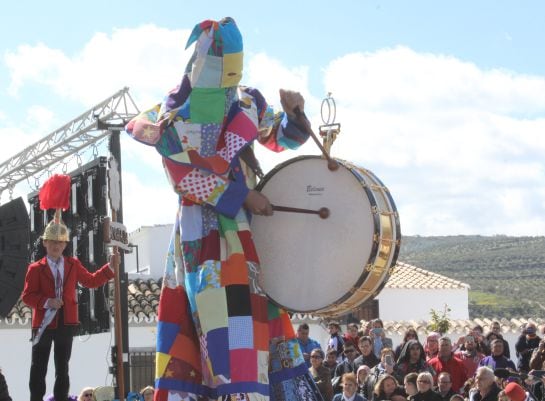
(445, 361)
(50, 289)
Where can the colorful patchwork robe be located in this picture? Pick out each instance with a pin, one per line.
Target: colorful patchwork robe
(218, 335)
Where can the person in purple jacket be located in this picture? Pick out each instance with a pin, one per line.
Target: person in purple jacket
(496, 359)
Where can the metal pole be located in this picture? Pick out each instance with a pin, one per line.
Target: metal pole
(122, 318)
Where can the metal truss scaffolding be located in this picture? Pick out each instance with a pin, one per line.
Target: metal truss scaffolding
(74, 136)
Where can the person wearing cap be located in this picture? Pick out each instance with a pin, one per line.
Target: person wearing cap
(50, 290)
(517, 393)
(526, 343)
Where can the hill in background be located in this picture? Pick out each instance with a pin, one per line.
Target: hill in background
(506, 274)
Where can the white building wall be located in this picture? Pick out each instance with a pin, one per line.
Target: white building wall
(152, 242)
(91, 355)
(88, 364)
(415, 304)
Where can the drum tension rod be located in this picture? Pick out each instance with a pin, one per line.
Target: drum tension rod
(323, 212)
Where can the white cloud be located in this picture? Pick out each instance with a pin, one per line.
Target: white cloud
(403, 80)
(148, 59)
(459, 147)
(37, 122)
(269, 75)
(147, 202)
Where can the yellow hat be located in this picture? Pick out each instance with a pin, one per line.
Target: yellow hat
(56, 230)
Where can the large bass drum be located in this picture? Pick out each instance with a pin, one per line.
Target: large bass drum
(325, 266)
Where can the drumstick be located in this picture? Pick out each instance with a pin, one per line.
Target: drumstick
(323, 212)
(332, 165)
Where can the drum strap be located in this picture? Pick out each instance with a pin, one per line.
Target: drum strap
(247, 155)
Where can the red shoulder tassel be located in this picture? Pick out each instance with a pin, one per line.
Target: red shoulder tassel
(55, 193)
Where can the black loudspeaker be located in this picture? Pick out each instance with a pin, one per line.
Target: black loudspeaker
(14, 246)
(88, 207)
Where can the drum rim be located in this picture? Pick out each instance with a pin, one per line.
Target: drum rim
(334, 311)
(330, 310)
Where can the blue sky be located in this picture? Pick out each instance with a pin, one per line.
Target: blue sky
(443, 101)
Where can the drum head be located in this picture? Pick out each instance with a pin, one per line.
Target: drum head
(309, 263)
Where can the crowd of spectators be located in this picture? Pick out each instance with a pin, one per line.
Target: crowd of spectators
(364, 365)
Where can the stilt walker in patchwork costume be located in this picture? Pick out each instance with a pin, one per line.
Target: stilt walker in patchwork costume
(218, 335)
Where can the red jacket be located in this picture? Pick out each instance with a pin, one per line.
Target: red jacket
(454, 366)
(40, 285)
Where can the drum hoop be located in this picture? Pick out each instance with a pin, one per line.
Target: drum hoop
(333, 310)
(376, 234)
(396, 219)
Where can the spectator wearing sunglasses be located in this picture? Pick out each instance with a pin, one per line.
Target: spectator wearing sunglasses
(444, 386)
(424, 384)
(347, 365)
(321, 374)
(306, 343)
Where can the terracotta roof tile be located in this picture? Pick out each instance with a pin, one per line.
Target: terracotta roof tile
(458, 326)
(412, 277)
(143, 302)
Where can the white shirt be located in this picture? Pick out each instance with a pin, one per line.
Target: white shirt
(351, 398)
(54, 266)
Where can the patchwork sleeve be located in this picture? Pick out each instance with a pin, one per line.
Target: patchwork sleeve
(144, 127)
(147, 127)
(198, 186)
(194, 184)
(277, 130)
